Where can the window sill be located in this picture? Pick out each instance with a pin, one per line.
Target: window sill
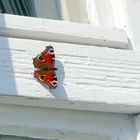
(61, 31)
(90, 78)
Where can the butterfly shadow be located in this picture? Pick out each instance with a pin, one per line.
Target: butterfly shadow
(59, 92)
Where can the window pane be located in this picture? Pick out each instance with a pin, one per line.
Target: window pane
(70, 10)
(17, 7)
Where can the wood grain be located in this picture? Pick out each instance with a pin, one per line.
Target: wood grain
(85, 73)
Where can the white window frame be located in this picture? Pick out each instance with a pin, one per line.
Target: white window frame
(27, 109)
(62, 31)
(73, 33)
(114, 69)
(74, 11)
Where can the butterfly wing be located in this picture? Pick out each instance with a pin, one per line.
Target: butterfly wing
(45, 60)
(47, 77)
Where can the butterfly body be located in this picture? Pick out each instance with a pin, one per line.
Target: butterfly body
(45, 67)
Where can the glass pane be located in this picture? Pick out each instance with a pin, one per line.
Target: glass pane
(18, 7)
(70, 10)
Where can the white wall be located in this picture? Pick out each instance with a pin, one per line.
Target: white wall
(64, 124)
(122, 14)
(136, 121)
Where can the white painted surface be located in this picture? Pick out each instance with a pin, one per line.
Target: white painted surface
(126, 15)
(74, 10)
(89, 77)
(100, 12)
(92, 12)
(132, 10)
(136, 120)
(64, 124)
(60, 31)
(67, 10)
(122, 14)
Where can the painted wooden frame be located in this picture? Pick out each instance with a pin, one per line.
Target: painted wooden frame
(90, 77)
(61, 31)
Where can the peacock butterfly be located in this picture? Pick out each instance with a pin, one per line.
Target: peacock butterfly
(45, 67)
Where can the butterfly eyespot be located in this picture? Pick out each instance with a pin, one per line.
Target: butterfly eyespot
(51, 51)
(39, 57)
(55, 78)
(54, 83)
(53, 56)
(41, 77)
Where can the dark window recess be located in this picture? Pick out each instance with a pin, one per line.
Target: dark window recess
(6, 137)
(18, 7)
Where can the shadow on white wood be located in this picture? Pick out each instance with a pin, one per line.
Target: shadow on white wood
(7, 82)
